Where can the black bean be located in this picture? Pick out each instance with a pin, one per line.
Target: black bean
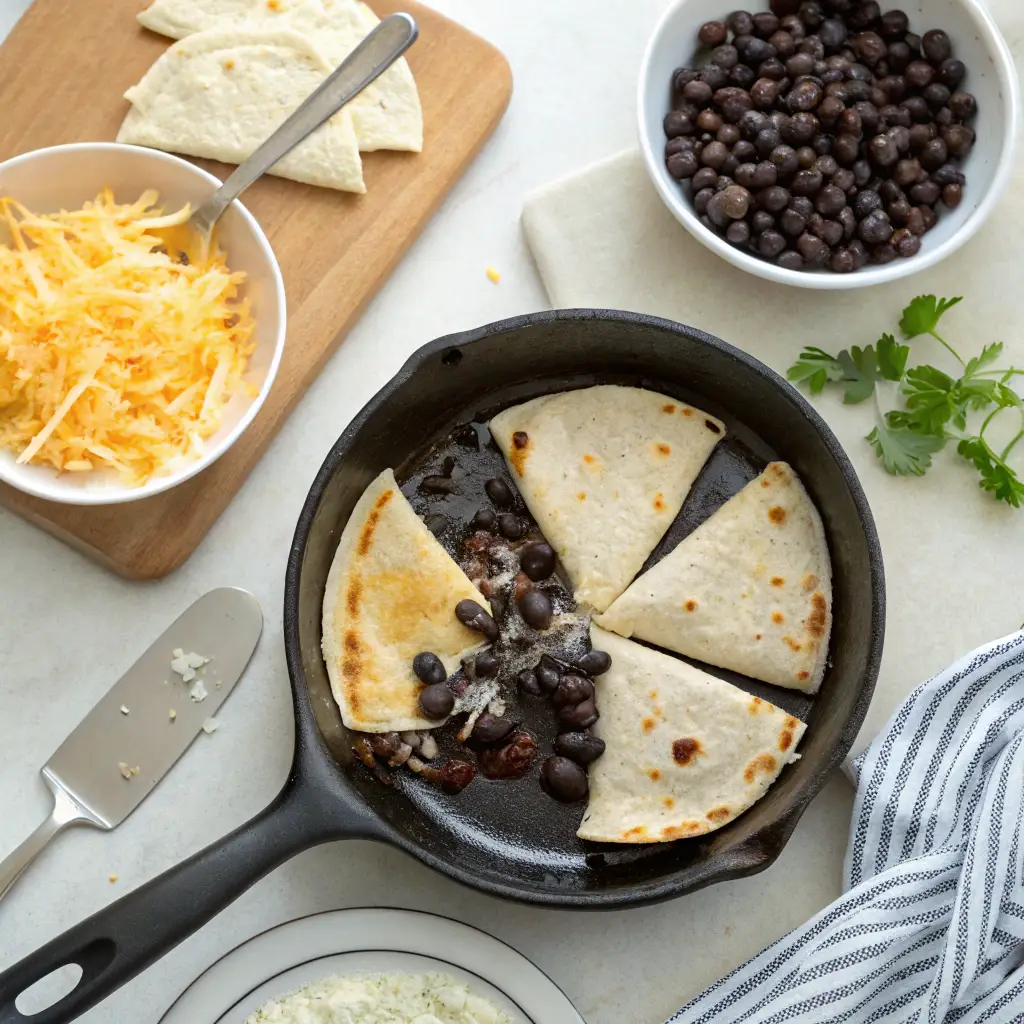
(869, 47)
(921, 135)
(806, 183)
(714, 76)
(594, 663)
(437, 701)
(913, 40)
(914, 220)
(751, 124)
(466, 611)
(742, 77)
(706, 177)
(698, 92)
(745, 175)
(934, 155)
(883, 150)
(765, 24)
(866, 15)
(952, 196)
(917, 108)
(799, 64)
(767, 140)
(893, 88)
(790, 260)
(536, 608)
(491, 728)
(832, 32)
(785, 160)
(725, 56)
(846, 148)
(830, 201)
(875, 228)
(791, 23)
(811, 13)
(963, 106)
(736, 201)
(770, 243)
(565, 780)
(510, 526)
(848, 221)
(906, 243)
(764, 92)
(951, 73)
(804, 96)
(741, 22)
(436, 523)
(784, 43)
(829, 231)
(537, 561)
(580, 747)
(860, 253)
(804, 127)
(937, 95)
(709, 121)
(729, 134)
(702, 198)
(572, 690)
(762, 220)
(429, 668)
(899, 56)
(549, 673)
(529, 683)
(716, 211)
(813, 250)
(486, 664)
(577, 716)
(499, 491)
(925, 194)
(827, 165)
(907, 172)
(842, 262)
(894, 24)
(792, 224)
(889, 191)
(919, 73)
(861, 173)
(936, 46)
(756, 51)
(814, 47)
(831, 110)
(682, 165)
(844, 179)
(948, 174)
(437, 485)
(682, 76)
(713, 33)
(802, 205)
(866, 201)
(738, 232)
(485, 519)
(766, 174)
(944, 118)
(744, 151)
(714, 155)
(930, 217)
(892, 115)
(822, 145)
(773, 199)
(901, 136)
(677, 125)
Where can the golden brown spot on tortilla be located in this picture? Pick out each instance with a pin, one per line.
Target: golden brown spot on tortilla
(687, 411)
(654, 774)
(659, 713)
(228, 64)
(659, 501)
(785, 739)
(763, 763)
(685, 750)
(791, 722)
(755, 705)
(670, 408)
(793, 645)
(757, 636)
(802, 676)
(366, 534)
(273, 4)
(653, 695)
(589, 459)
(690, 606)
(638, 831)
(582, 496)
(681, 831)
(719, 814)
(664, 449)
(816, 620)
(778, 618)
(649, 724)
(810, 582)
(520, 449)
(778, 581)
(355, 589)
(668, 802)
(351, 666)
(777, 514)
(766, 483)
(713, 427)
(777, 469)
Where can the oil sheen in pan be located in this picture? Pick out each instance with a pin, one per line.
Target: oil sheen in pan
(515, 819)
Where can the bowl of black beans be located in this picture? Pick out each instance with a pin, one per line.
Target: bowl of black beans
(829, 143)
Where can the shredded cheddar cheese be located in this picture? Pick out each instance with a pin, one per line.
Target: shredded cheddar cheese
(114, 352)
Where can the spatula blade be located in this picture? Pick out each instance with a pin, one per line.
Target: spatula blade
(223, 626)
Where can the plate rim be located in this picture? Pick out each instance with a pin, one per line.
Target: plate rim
(286, 940)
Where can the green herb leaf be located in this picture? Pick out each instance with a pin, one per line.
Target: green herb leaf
(922, 316)
(860, 371)
(892, 357)
(815, 368)
(904, 452)
(989, 354)
(996, 477)
(931, 399)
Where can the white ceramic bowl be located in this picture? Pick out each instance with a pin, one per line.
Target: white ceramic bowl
(47, 180)
(991, 77)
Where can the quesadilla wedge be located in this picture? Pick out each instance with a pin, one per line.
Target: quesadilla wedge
(604, 471)
(386, 115)
(686, 753)
(391, 593)
(219, 95)
(749, 590)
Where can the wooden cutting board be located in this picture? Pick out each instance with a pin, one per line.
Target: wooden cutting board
(63, 71)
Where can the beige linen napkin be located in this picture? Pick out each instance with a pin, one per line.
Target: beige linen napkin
(954, 557)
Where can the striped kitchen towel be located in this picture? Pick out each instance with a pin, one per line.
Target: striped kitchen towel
(930, 929)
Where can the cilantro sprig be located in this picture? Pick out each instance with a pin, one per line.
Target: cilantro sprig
(934, 407)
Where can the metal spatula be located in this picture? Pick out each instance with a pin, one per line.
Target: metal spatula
(133, 736)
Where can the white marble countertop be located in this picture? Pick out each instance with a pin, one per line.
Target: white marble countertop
(69, 628)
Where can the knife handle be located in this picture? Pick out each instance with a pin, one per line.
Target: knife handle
(65, 812)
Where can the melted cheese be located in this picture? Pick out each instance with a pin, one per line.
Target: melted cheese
(114, 352)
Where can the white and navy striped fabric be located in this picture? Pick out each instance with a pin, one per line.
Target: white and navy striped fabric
(930, 929)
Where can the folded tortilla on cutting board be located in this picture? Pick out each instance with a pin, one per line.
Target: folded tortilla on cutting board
(685, 753)
(391, 593)
(604, 471)
(386, 115)
(219, 95)
(749, 590)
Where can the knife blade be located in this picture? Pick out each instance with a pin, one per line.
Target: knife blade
(120, 751)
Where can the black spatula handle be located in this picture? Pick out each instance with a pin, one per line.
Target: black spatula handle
(123, 939)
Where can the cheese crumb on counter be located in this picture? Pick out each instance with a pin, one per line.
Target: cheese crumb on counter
(112, 879)
(124, 769)
(124, 710)
(493, 275)
(198, 692)
(211, 725)
(173, 714)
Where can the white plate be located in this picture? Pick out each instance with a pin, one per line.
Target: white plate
(369, 940)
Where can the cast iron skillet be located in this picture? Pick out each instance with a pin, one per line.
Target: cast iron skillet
(532, 854)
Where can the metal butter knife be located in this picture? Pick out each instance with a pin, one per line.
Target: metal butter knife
(134, 735)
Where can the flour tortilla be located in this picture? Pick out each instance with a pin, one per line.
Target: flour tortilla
(386, 115)
(686, 753)
(391, 593)
(220, 95)
(750, 589)
(604, 471)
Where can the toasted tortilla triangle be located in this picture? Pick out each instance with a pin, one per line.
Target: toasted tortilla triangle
(220, 95)
(686, 753)
(391, 593)
(604, 471)
(749, 590)
(386, 115)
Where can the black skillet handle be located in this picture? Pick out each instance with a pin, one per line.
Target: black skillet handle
(118, 942)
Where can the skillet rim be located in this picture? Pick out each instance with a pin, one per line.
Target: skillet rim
(762, 848)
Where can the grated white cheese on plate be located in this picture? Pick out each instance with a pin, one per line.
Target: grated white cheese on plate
(381, 999)
(198, 692)
(185, 665)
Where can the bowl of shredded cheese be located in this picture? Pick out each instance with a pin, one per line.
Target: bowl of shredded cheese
(130, 358)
